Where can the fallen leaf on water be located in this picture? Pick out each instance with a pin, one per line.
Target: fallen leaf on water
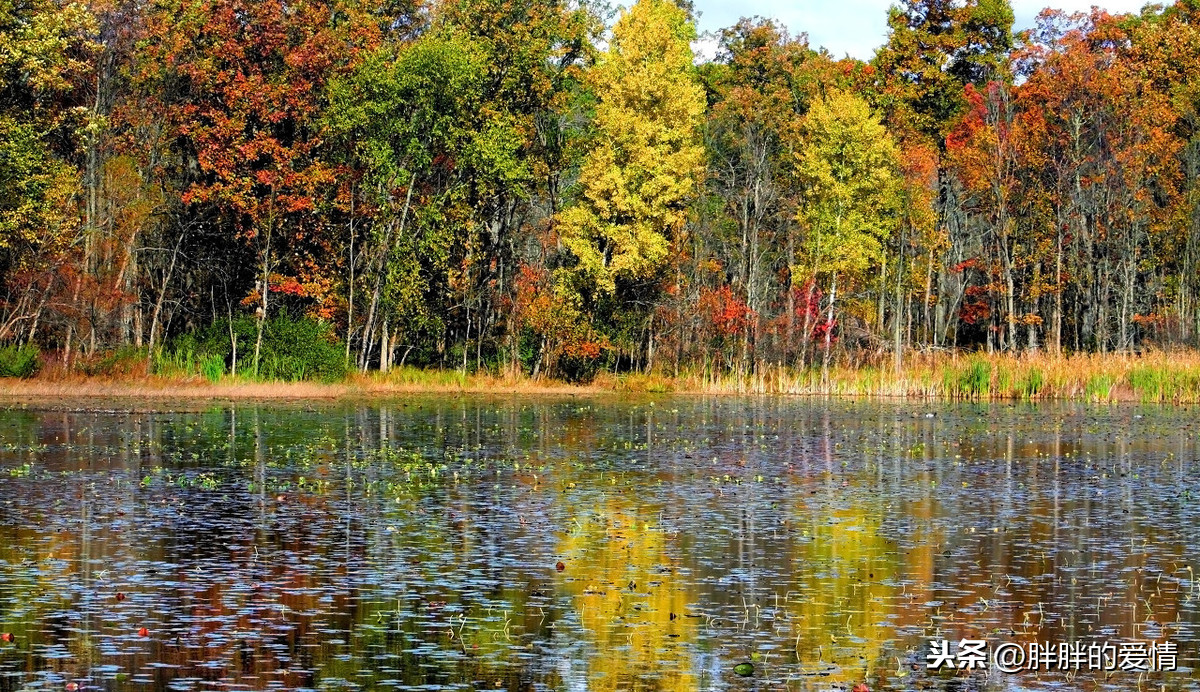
(143, 632)
(560, 566)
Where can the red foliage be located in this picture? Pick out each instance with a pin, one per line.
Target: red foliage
(288, 285)
(726, 312)
(976, 309)
(808, 310)
(563, 329)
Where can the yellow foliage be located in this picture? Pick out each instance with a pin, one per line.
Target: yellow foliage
(849, 166)
(636, 181)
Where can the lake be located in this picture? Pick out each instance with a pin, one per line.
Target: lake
(674, 543)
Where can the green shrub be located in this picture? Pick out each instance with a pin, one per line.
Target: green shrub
(308, 346)
(19, 361)
(292, 349)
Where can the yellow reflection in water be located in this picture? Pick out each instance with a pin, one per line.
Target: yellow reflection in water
(841, 609)
(620, 570)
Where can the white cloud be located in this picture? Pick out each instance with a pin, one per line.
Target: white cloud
(855, 27)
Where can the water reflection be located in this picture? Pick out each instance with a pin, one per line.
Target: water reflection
(417, 545)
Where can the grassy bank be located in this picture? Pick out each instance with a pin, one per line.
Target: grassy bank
(1157, 377)
(176, 386)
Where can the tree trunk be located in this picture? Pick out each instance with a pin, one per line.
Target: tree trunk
(350, 303)
(829, 334)
(385, 359)
(162, 294)
(380, 268)
(265, 287)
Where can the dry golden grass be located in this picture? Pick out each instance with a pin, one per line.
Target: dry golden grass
(1160, 376)
(354, 386)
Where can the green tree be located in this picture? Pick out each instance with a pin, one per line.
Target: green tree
(411, 112)
(934, 49)
(455, 141)
(848, 166)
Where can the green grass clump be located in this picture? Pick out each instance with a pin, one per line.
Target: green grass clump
(972, 380)
(19, 361)
(1099, 387)
(1030, 384)
(1160, 383)
(1150, 383)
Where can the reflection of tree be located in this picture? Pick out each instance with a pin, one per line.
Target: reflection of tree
(630, 600)
(843, 607)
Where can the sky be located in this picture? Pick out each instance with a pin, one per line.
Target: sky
(856, 27)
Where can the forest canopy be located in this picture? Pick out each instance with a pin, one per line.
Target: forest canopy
(550, 187)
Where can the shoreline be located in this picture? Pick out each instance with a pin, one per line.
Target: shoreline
(1158, 377)
(233, 389)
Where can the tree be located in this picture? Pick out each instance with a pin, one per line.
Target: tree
(934, 49)
(640, 174)
(760, 88)
(410, 112)
(1101, 155)
(241, 88)
(46, 49)
(848, 166)
(1165, 45)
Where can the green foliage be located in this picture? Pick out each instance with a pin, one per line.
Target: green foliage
(33, 185)
(1099, 387)
(934, 49)
(1148, 383)
(182, 360)
(405, 105)
(303, 349)
(1030, 384)
(1156, 384)
(293, 350)
(19, 361)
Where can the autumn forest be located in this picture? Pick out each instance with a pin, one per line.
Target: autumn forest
(560, 189)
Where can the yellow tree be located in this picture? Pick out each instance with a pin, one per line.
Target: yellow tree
(637, 180)
(848, 164)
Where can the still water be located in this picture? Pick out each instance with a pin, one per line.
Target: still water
(591, 544)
